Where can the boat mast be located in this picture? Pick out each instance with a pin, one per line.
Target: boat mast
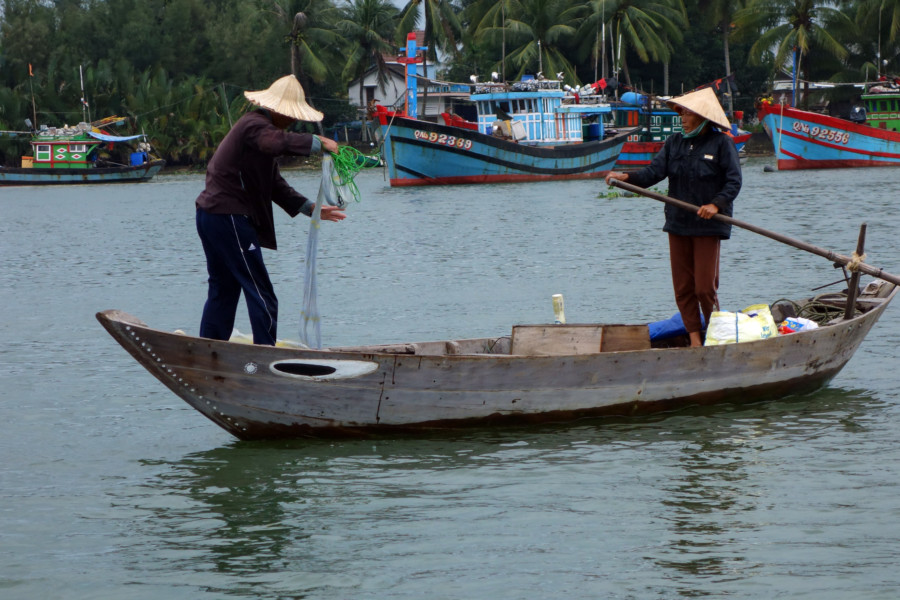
(31, 85)
(503, 43)
(411, 59)
(84, 105)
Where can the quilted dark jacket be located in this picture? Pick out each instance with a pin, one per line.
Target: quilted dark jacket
(701, 170)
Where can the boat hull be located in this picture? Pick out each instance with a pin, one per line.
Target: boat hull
(423, 153)
(637, 155)
(258, 392)
(39, 176)
(806, 140)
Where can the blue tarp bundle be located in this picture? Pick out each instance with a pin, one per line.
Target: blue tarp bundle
(113, 138)
(661, 330)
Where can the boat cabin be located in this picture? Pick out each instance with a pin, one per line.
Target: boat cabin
(657, 122)
(64, 147)
(538, 112)
(882, 105)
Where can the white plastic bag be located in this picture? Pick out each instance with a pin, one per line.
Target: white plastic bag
(753, 323)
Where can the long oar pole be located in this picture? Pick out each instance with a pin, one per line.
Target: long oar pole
(853, 262)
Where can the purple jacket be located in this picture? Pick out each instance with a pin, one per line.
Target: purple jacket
(243, 178)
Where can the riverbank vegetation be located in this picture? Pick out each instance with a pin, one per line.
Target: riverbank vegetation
(177, 69)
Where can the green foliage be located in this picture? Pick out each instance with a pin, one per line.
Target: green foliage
(614, 192)
(178, 68)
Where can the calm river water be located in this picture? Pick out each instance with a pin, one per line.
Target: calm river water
(111, 487)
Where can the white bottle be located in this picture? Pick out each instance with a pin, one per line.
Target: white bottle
(559, 309)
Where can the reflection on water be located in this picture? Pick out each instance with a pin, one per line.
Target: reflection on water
(676, 500)
(112, 487)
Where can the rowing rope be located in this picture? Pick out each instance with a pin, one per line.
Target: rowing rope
(337, 184)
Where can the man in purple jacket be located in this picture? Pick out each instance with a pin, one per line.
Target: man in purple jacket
(234, 211)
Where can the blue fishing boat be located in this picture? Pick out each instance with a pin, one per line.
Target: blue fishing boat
(67, 155)
(531, 145)
(531, 130)
(809, 140)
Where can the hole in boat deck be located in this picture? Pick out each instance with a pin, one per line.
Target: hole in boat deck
(324, 368)
(304, 369)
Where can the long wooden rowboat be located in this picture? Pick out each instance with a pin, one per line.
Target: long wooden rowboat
(538, 373)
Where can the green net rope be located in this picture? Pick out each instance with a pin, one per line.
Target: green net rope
(348, 161)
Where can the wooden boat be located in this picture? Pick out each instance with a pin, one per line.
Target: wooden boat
(808, 140)
(66, 155)
(535, 373)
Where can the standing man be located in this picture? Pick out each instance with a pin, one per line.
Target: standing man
(234, 211)
(703, 169)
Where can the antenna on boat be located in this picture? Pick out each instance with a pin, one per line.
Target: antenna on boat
(31, 85)
(878, 56)
(503, 48)
(85, 116)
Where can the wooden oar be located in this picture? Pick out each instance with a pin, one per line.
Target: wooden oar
(840, 259)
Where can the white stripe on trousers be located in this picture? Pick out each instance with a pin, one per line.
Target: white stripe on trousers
(250, 273)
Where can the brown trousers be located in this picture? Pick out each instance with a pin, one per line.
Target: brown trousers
(695, 277)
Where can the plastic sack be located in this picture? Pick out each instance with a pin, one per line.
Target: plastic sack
(246, 338)
(753, 323)
(795, 324)
(763, 314)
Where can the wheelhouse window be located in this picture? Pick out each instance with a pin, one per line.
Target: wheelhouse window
(42, 152)
(78, 148)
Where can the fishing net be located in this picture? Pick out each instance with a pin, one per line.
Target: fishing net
(336, 189)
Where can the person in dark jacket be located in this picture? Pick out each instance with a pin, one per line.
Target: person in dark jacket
(234, 211)
(703, 168)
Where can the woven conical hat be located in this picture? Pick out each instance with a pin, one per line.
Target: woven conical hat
(704, 103)
(285, 97)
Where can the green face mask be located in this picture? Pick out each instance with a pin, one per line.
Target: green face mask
(696, 130)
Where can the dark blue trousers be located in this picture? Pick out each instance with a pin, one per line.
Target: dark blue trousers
(234, 262)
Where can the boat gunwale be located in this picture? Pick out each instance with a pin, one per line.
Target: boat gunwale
(381, 350)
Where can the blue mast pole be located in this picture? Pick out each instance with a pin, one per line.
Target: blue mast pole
(412, 59)
(794, 88)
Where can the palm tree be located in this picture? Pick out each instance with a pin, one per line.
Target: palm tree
(442, 26)
(720, 14)
(883, 17)
(534, 34)
(488, 26)
(646, 27)
(312, 34)
(367, 25)
(794, 28)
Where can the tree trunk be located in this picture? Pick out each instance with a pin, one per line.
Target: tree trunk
(665, 91)
(725, 34)
(297, 62)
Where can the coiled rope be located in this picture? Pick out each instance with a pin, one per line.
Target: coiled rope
(822, 308)
(348, 162)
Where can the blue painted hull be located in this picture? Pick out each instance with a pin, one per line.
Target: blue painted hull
(424, 153)
(806, 140)
(125, 174)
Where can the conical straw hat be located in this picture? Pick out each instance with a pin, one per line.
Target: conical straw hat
(704, 103)
(285, 97)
